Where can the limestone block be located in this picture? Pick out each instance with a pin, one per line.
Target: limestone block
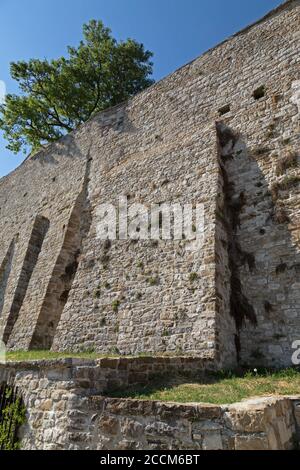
(131, 428)
(251, 442)
(212, 441)
(109, 424)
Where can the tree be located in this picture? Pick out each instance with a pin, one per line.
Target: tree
(58, 95)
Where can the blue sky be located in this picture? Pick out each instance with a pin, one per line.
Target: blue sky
(175, 30)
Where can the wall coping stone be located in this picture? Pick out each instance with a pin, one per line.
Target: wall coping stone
(255, 403)
(105, 361)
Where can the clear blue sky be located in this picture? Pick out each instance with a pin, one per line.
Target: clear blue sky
(175, 30)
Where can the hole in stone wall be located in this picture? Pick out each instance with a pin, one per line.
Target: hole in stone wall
(281, 268)
(259, 92)
(224, 110)
(39, 230)
(268, 306)
(160, 220)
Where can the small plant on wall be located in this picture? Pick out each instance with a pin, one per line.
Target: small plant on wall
(193, 277)
(12, 416)
(115, 305)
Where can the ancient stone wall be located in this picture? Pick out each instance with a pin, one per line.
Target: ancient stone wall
(63, 411)
(258, 424)
(149, 281)
(37, 201)
(176, 111)
(223, 131)
(56, 393)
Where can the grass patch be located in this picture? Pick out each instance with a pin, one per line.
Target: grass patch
(48, 355)
(21, 356)
(218, 388)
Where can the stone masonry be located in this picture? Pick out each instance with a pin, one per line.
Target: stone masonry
(66, 410)
(222, 131)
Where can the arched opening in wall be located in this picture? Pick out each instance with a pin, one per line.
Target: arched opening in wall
(5, 269)
(39, 230)
(60, 283)
(12, 416)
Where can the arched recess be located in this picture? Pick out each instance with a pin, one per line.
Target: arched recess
(64, 270)
(38, 234)
(60, 283)
(5, 269)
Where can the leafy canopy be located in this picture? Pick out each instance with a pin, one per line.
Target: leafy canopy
(58, 95)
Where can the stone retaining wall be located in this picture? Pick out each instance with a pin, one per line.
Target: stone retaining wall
(258, 424)
(65, 409)
(106, 374)
(56, 392)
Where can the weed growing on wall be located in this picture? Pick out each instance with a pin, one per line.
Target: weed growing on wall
(12, 416)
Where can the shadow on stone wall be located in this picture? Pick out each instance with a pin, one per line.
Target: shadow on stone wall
(5, 269)
(78, 148)
(264, 252)
(38, 234)
(65, 268)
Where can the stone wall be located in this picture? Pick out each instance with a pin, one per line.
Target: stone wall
(65, 410)
(258, 424)
(45, 186)
(167, 130)
(80, 293)
(56, 393)
(164, 315)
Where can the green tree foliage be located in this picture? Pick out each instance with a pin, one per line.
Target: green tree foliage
(58, 95)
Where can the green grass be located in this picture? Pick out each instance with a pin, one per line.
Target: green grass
(219, 388)
(48, 355)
